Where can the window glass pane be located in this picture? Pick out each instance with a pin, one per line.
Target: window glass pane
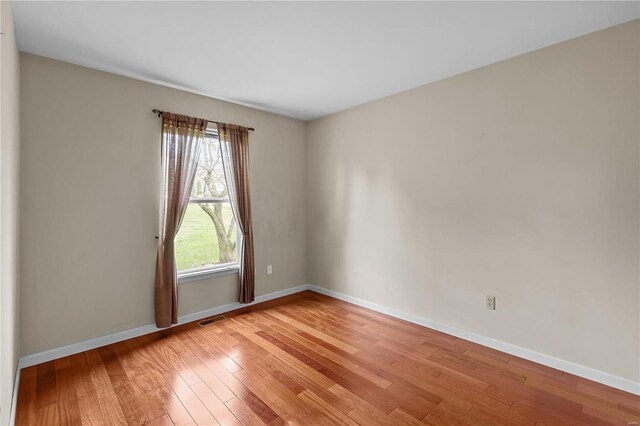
(210, 181)
(208, 234)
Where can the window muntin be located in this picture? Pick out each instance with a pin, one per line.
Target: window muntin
(208, 237)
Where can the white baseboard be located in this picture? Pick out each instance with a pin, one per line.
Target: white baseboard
(548, 360)
(85, 345)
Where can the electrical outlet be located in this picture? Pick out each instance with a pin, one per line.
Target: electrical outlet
(269, 269)
(491, 303)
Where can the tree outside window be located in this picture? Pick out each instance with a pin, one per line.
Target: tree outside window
(208, 234)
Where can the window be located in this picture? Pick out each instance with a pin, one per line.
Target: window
(208, 237)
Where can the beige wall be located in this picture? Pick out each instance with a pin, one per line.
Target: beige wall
(9, 151)
(89, 196)
(519, 180)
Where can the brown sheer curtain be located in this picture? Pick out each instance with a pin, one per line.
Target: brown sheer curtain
(234, 149)
(182, 138)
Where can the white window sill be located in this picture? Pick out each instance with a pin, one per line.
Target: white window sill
(207, 273)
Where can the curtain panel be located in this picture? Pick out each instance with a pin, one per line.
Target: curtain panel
(182, 138)
(234, 150)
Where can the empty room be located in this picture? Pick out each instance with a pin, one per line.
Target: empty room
(319, 213)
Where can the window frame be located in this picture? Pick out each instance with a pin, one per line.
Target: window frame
(206, 272)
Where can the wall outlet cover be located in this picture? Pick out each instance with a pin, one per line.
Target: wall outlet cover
(491, 303)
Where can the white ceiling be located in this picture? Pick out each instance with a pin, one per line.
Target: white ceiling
(301, 59)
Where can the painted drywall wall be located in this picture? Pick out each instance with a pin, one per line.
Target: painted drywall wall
(9, 163)
(518, 180)
(89, 195)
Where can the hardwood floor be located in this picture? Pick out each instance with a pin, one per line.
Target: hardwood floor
(310, 359)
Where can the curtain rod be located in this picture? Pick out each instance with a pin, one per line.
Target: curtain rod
(157, 111)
